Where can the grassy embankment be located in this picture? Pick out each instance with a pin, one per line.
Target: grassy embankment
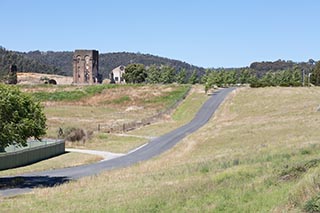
(57, 109)
(260, 153)
(61, 161)
(106, 105)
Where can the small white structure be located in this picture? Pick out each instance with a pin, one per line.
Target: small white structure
(116, 75)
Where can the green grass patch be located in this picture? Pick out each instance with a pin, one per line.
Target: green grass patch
(170, 98)
(71, 93)
(294, 172)
(313, 205)
(186, 111)
(59, 96)
(183, 114)
(121, 100)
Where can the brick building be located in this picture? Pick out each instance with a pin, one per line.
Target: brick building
(86, 67)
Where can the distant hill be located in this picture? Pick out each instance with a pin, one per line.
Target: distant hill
(107, 61)
(7, 58)
(60, 60)
(262, 68)
(60, 63)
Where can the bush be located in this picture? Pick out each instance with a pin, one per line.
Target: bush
(313, 205)
(75, 134)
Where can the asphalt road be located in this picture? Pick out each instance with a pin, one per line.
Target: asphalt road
(14, 185)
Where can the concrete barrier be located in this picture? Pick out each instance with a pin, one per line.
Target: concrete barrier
(31, 155)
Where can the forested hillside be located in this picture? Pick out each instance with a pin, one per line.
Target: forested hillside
(7, 58)
(261, 68)
(61, 60)
(107, 61)
(61, 63)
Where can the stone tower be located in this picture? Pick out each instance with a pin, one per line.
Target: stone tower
(86, 67)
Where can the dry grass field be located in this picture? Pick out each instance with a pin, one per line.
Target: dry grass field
(34, 78)
(68, 114)
(259, 153)
(87, 106)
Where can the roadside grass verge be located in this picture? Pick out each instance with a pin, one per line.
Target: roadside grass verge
(182, 115)
(188, 109)
(170, 98)
(110, 142)
(61, 161)
(258, 154)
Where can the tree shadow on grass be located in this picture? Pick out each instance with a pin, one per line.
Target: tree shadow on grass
(30, 182)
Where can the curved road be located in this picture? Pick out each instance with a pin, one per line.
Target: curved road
(21, 184)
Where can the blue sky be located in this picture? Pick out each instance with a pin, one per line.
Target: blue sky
(208, 33)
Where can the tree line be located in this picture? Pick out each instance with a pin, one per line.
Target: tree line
(294, 77)
(261, 68)
(154, 74)
(138, 73)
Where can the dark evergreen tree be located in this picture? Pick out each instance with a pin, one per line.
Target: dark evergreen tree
(153, 75)
(167, 75)
(193, 78)
(181, 77)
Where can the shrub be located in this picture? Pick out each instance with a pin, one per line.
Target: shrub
(313, 205)
(76, 134)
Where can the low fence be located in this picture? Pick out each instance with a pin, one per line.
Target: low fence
(124, 127)
(31, 155)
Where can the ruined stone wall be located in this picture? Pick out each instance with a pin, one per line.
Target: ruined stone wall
(85, 66)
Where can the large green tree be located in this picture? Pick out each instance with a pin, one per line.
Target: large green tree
(167, 74)
(245, 75)
(181, 76)
(154, 75)
(20, 118)
(230, 77)
(135, 73)
(193, 78)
